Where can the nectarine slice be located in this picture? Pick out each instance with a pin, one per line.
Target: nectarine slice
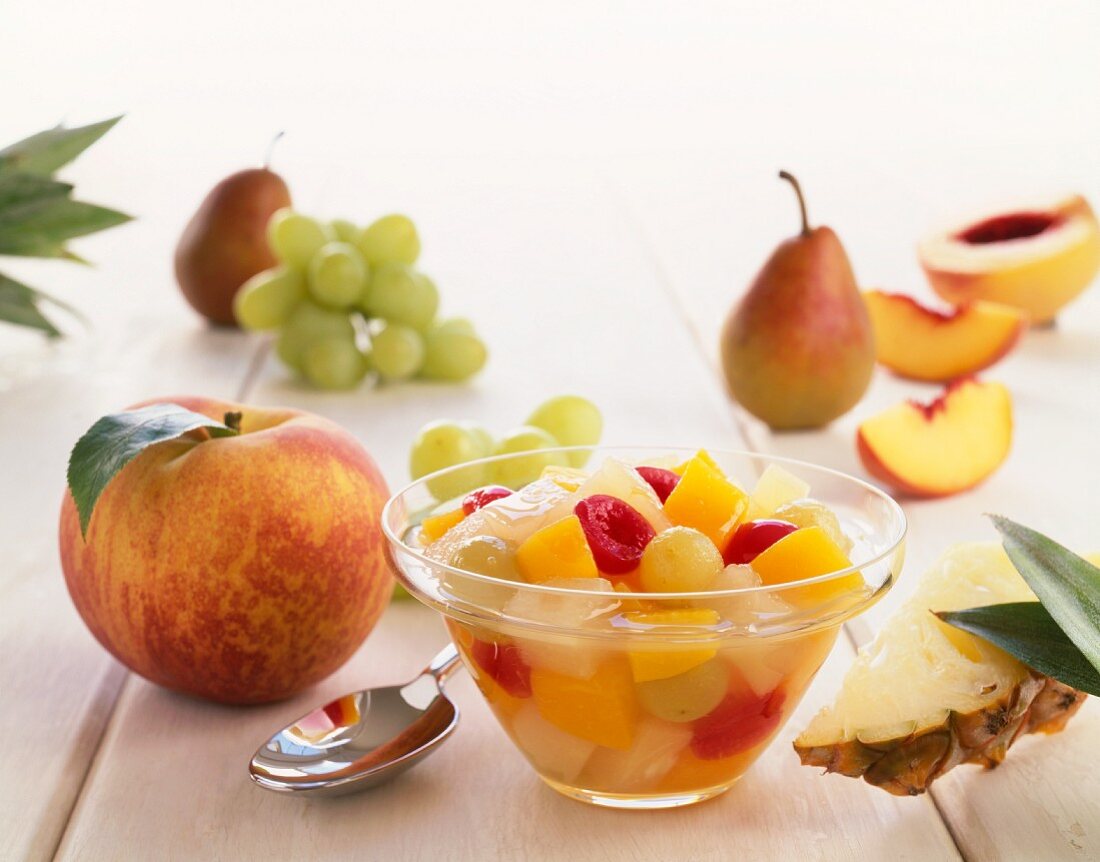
(1036, 259)
(921, 343)
(940, 448)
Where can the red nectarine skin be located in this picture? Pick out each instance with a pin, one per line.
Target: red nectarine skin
(241, 569)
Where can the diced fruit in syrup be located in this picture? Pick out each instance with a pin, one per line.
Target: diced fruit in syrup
(687, 696)
(564, 654)
(569, 478)
(513, 518)
(551, 750)
(774, 488)
(601, 709)
(487, 555)
(504, 664)
(558, 551)
(618, 479)
(806, 553)
(434, 527)
(679, 560)
(707, 501)
(741, 721)
(656, 661)
(657, 746)
(811, 513)
(702, 455)
(754, 537)
(617, 534)
(564, 610)
(662, 481)
(483, 497)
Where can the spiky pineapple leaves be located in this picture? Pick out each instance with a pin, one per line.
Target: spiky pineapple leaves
(1060, 634)
(38, 214)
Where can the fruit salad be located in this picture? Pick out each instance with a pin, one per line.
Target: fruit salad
(644, 629)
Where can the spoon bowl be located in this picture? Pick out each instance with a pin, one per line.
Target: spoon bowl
(361, 739)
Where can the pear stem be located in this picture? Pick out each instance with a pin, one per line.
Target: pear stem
(801, 200)
(271, 149)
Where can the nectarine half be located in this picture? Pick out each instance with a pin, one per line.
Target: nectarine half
(940, 448)
(922, 343)
(1036, 259)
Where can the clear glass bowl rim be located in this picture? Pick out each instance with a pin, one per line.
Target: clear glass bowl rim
(895, 541)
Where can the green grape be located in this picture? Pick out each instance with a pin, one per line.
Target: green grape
(337, 275)
(487, 555)
(333, 363)
(400, 295)
(295, 238)
(686, 696)
(452, 354)
(680, 559)
(266, 300)
(344, 230)
(574, 421)
(445, 444)
(517, 472)
(307, 324)
(397, 351)
(455, 324)
(484, 439)
(391, 239)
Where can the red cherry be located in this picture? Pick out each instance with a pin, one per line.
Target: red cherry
(741, 721)
(505, 665)
(660, 480)
(616, 533)
(753, 538)
(483, 497)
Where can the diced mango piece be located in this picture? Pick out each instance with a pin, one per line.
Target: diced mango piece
(806, 553)
(691, 773)
(706, 500)
(601, 709)
(661, 662)
(702, 455)
(559, 550)
(434, 527)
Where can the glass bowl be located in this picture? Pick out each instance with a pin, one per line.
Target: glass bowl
(638, 699)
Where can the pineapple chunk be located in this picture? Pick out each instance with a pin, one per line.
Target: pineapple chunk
(618, 479)
(773, 489)
(914, 705)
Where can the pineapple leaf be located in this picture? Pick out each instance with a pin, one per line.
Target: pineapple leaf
(19, 304)
(1066, 584)
(37, 216)
(115, 440)
(45, 152)
(1027, 631)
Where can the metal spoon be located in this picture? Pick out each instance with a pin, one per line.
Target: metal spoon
(361, 739)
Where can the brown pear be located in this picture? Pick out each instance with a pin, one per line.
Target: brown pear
(798, 350)
(225, 243)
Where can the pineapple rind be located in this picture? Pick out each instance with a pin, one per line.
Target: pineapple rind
(913, 705)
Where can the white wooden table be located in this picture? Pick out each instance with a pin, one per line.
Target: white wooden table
(599, 264)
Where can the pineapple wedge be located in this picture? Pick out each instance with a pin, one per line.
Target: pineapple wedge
(924, 697)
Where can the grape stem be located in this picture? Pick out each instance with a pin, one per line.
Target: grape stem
(271, 149)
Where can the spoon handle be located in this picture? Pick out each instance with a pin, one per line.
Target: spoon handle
(444, 664)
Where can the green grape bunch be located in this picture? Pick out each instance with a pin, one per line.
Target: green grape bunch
(564, 420)
(349, 302)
